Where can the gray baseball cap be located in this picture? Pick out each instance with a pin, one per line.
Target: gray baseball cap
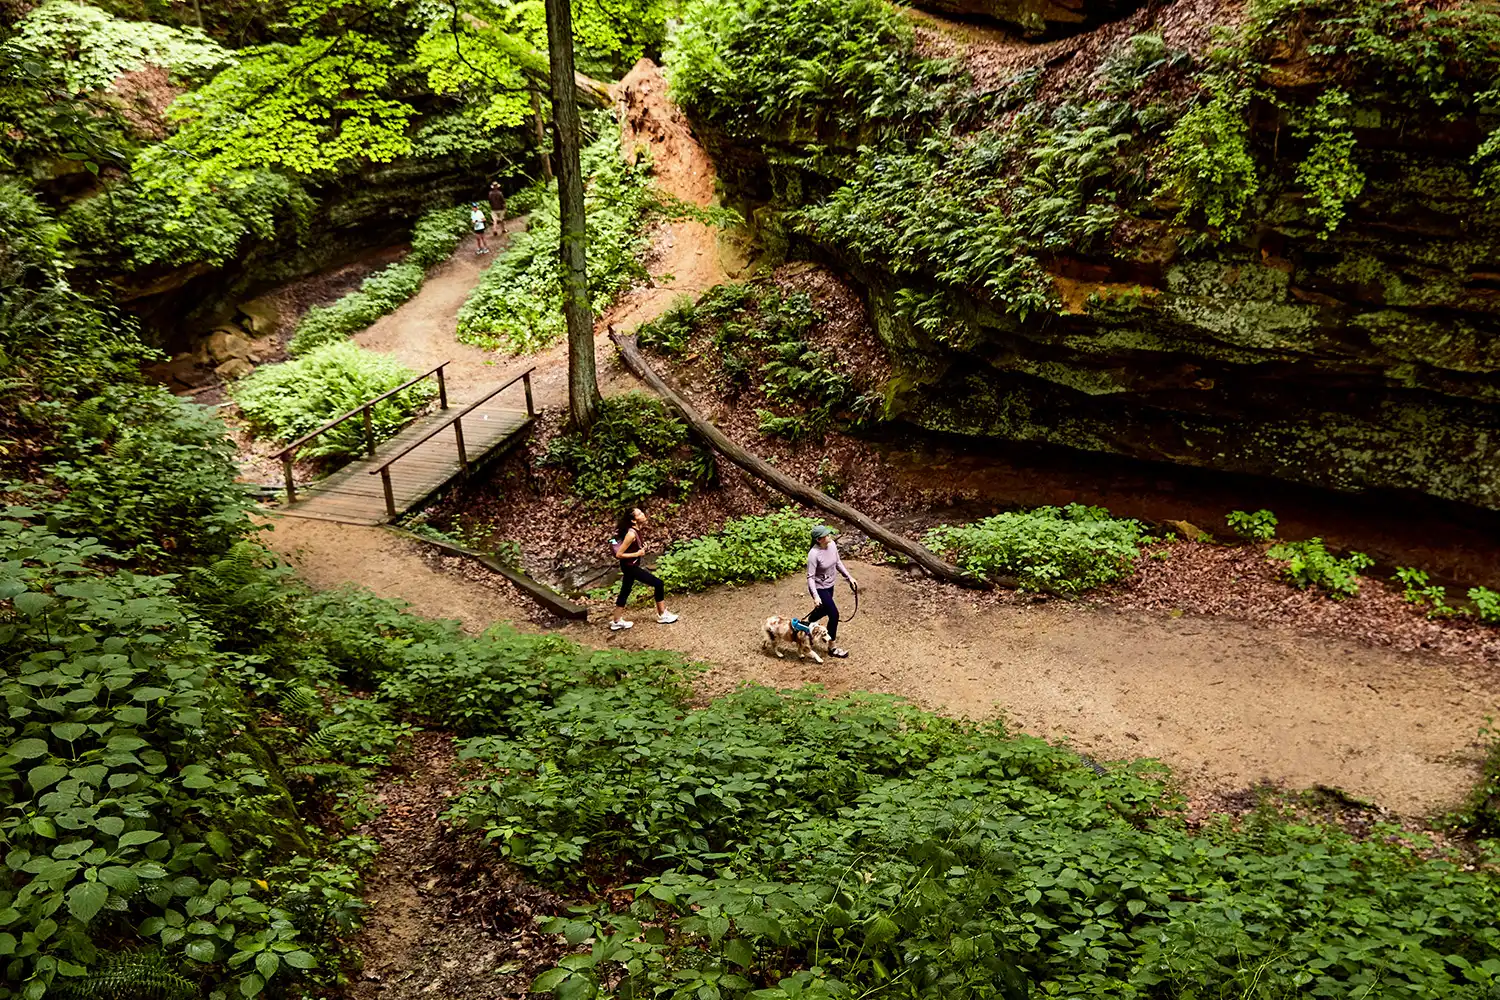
(821, 531)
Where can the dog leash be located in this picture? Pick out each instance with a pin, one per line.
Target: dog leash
(856, 606)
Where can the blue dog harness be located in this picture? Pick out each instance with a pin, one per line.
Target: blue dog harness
(801, 627)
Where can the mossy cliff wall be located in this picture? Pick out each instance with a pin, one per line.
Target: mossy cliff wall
(1365, 358)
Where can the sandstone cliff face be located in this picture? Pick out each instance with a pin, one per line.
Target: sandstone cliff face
(1365, 359)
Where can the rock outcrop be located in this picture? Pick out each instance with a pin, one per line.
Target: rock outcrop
(1365, 359)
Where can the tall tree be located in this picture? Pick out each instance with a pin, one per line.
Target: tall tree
(583, 383)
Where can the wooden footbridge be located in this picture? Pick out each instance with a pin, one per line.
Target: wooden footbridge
(402, 472)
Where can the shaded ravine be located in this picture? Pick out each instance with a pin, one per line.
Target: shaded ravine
(1225, 703)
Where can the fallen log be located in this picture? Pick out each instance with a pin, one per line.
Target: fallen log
(630, 353)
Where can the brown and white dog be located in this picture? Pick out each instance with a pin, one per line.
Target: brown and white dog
(779, 630)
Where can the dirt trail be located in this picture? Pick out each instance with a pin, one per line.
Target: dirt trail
(1226, 704)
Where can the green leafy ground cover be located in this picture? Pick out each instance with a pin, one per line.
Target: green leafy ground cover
(1064, 550)
(433, 240)
(285, 401)
(788, 844)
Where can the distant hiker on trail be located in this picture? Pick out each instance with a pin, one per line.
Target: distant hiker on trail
(497, 207)
(480, 224)
(822, 560)
(629, 546)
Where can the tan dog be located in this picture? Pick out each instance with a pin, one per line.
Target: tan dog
(779, 630)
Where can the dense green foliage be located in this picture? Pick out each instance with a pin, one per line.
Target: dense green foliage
(433, 240)
(746, 549)
(92, 48)
(636, 449)
(761, 339)
(1310, 564)
(1064, 550)
(287, 400)
(837, 64)
(796, 845)
(518, 304)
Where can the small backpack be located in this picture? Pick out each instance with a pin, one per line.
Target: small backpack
(614, 548)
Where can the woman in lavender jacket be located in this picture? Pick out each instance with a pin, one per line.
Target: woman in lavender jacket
(822, 560)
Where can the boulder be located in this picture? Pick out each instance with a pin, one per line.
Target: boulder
(234, 368)
(1189, 531)
(263, 350)
(227, 343)
(262, 316)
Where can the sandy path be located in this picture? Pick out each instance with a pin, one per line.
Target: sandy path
(1225, 704)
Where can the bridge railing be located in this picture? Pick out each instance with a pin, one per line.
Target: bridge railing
(457, 423)
(288, 455)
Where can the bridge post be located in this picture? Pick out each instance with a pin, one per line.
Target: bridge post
(458, 432)
(390, 497)
(369, 433)
(442, 388)
(291, 484)
(530, 409)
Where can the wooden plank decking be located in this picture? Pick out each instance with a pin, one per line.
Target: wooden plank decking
(354, 496)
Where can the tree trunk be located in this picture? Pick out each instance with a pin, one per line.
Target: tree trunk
(923, 557)
(583, 383)
(541, 135)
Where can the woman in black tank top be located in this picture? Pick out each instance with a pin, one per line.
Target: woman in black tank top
(629, 549)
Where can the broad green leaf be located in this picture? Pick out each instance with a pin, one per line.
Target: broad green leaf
(200, 949)
(299, 960)
(135, 837)
(31, 603)
(122, 880)
(266, 963)
(28, 748)
(548, 981)
(251, 985)
(41, 777)
(69, 731)
(218, 843)
(86, 898)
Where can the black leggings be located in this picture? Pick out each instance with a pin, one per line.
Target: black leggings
(629, 574)
(826, 607)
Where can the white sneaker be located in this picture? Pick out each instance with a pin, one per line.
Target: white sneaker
(616, 626)
(666, 619)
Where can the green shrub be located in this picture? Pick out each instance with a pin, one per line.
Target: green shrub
(1066, 550)
(142, 809)
(517, 305)
(1257, 527)
(635, 449)
(747, 549)
(1420, 592)
(1310, 564)
(287, 400)
(149, 474)
(1209, 168)
(433, 240)
(788, 844)
(1486, 604)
